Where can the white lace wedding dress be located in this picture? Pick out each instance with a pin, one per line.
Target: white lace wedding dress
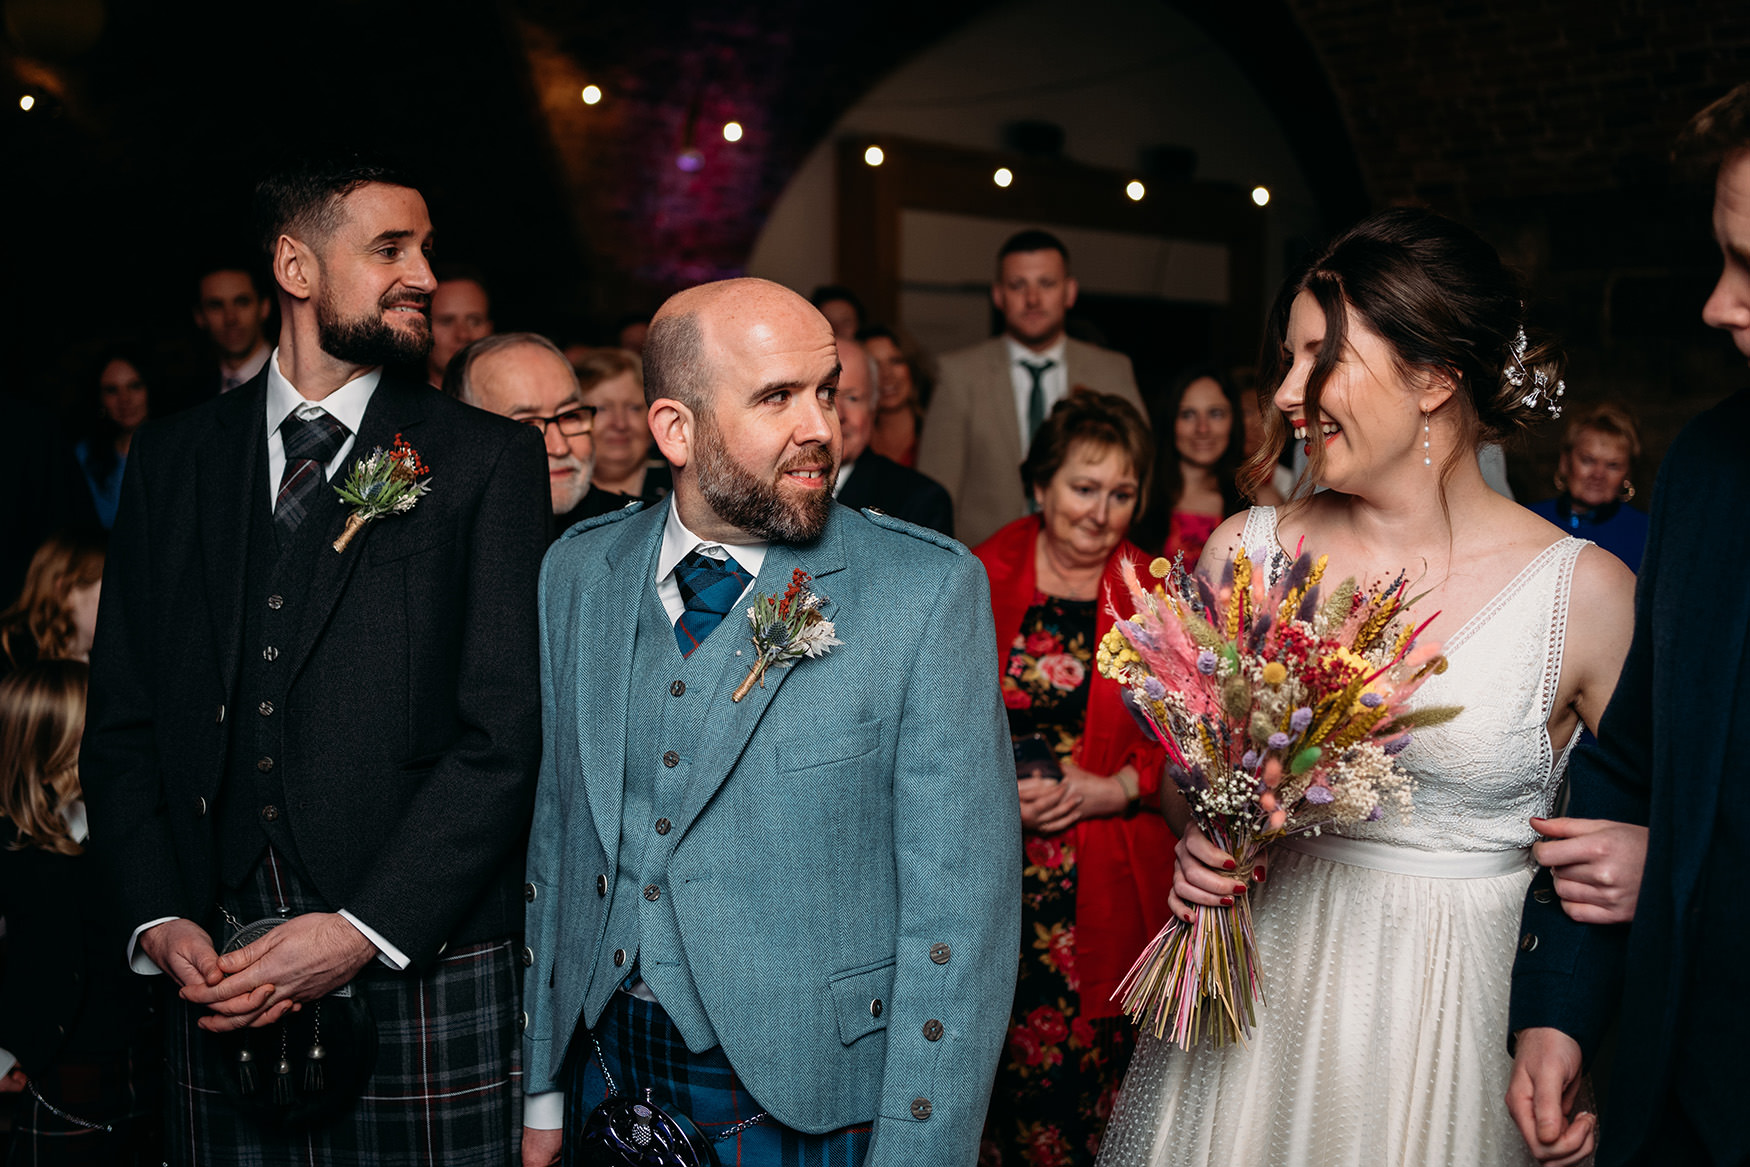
(1387, 952)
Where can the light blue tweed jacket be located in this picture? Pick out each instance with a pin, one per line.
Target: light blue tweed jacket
(849, 832)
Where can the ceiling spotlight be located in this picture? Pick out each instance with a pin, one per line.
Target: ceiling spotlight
(1261, 195)
(1003, 177)
(732, 131)
(1135, 190)
(592, 94)
(873, 156)
(26, 102)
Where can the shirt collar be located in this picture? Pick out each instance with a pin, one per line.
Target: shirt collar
(345, 405)
(1019, 352)
(677, 542)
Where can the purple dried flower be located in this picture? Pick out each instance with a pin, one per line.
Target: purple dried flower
(1136, 634)
(1249, 760)
(1153, 689)
(1319, 795)
(1371, 699)
(1396, 745)
(1300, 719)
(1374, 815)
(1277, 741)
(1206, 662)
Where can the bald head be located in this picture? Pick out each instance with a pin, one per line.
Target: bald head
(696, 329)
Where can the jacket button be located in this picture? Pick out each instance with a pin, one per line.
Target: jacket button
(524, 1022)
(671, 759)
(663, 826)
(678, 688)
(219, 718)
(529, 892)
(1528, 942)
(200, 807)
(264, 765)
(265, 708)
(1543, 895)
(921, 1108)
(270, 654)
(619, 957)
(652, 893)
(875, 1007)
(276, 602)
(939, 953)
(270, 813)
(932, 1030)
(601, 885)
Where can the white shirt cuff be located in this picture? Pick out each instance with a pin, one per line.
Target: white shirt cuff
(139, 961)
(386, 952)
(544, 1111)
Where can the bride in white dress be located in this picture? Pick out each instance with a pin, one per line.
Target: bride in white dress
(1387, 950)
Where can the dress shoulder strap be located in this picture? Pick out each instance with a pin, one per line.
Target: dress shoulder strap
(1259, 537)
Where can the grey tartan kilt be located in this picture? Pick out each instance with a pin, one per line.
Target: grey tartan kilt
(446, 1087)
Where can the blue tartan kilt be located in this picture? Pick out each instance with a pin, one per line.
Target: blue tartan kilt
(446, 1087)
(644, 1051)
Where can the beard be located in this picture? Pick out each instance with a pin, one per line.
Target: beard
(743, 499)
(372, 340)
(568, 494)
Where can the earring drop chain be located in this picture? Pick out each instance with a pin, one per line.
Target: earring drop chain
(1427, 457)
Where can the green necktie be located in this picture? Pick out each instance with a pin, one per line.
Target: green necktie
(1036, 396)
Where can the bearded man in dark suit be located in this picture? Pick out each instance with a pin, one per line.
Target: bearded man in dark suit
(1639, 909)
(340, 737)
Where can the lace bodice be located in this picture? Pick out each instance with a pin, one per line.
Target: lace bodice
(1481, 776)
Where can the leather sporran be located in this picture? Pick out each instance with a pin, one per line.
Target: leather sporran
(629, 1132)
(305, 1067)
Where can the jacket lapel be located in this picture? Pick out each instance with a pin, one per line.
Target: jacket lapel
(731, 724)
(604, 631)
(392, 410)
(1009, 423)
(228, 474)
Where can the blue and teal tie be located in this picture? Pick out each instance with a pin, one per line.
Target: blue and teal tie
(709, 589)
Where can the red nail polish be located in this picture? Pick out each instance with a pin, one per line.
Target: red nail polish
(1239, 889)
(1258, 874)
(1227, 901)
(1230, 864)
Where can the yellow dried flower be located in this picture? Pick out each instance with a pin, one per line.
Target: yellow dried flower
(1275, 673)
(1159, 568)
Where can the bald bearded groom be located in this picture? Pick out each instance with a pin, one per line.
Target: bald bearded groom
(792, 918)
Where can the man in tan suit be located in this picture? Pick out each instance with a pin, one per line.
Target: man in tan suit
(990, 398)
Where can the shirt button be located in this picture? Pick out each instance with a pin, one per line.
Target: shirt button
(663, 826)
(270, 653)
(939, 953)
(276, 602)
(528, 956)
(932, 1030)
(264, 765)
(875, 1007)
(678, 688)
(529, 892)
(619, 958)
(921, 1108)
(270, 813)
(265, 708)
(671, 759)
(601, 885)
(652, 893)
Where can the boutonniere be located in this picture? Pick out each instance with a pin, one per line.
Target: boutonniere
(787, 628)
(388, 482)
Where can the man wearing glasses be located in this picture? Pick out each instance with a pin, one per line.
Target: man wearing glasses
(526, 378)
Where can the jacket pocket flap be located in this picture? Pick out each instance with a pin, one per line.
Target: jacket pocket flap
(860, 998)
(823, 747)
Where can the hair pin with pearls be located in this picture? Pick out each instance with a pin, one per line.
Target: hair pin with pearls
(1541, 392)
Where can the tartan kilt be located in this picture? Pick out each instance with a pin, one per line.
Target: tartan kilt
(446, 1087)
(644, 1050)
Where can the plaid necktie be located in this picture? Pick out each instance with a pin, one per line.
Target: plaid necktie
(310, 445)
(709, 589)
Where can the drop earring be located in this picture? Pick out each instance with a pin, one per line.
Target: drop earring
(1427, 458)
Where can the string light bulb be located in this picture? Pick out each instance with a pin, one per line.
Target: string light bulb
(874, 156)
(732, 131)
(592, 94)
(1003, 177)
(1261, 195)
(26, 102)
(1135, 190)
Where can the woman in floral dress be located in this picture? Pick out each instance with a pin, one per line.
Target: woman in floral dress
(1093, 885)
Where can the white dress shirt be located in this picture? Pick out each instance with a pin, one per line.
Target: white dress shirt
(546, 1111)
(1055, 381)
(347, 406)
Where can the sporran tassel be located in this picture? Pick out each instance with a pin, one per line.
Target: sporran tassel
(246, 1083)
(282, 1077)
(313, 1082)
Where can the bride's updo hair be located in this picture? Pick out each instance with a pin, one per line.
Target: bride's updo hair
(1445, 304)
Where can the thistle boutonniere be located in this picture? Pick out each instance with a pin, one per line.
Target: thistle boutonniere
(787, 628)
(388, 482)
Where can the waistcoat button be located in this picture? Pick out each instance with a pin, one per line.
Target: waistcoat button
(200, 807)
(939, 953)
(270, 813)
(601, 885)
(652, 893)
(266, 708)
(671, 759)
(662, 826)
(932, 1030)
(270, 653)
(276, 602)
(264, 765)
(678, 688)
(921, 1108)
